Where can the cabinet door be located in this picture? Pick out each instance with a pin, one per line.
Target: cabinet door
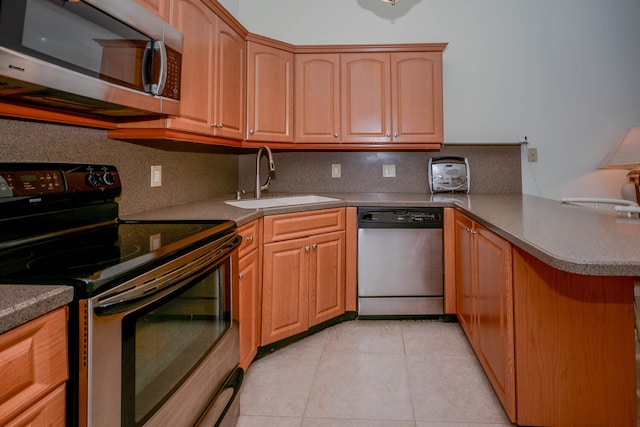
(269, 93)
(327, 277)
(317, 98)
(416, 87)
(199, 26)
(159, 7)
(494, 303)
(285, 297)
(249, 307)
(366, 97)
(464, 272)
(230, 77)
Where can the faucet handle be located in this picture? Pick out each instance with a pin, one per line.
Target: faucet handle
(239, 194)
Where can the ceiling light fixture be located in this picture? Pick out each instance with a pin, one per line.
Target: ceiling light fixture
(393, 2)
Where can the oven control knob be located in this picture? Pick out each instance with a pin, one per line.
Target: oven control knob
(109, 178)
(93, 179)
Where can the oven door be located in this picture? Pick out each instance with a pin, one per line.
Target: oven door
(160, 347)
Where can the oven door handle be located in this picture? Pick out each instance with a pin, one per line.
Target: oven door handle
(160, 282)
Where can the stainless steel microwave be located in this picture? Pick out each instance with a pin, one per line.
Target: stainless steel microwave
(99, 57)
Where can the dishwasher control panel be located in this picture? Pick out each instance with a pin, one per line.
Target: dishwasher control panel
(386, 217)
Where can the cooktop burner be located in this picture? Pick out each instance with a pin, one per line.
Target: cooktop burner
(88, 258)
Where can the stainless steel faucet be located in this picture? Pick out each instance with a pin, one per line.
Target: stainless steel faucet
(272, 168)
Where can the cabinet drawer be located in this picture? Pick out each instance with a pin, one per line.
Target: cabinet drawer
(250, 237)
(33, 362)
(302, 224)
(49, 411)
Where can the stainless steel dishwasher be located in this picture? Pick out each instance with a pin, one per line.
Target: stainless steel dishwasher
(400, 261)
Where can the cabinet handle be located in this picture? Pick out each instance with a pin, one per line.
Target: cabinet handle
(314, 246)
(241, 276)
(214, 125)
(307, 249)
(250, 239)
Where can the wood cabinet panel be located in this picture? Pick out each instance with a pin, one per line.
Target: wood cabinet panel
(327, 277)
(494, 309)
(464, 272)
(249, 285)
(229, 113)
(366, 97)
(250, 234)
(285, 284)
(49, 411)
(159, 7)
(416, 87)
(299, 224)
(351, 286)
(33, 362)
(485, 305)
(575, 347)
(199, 27)
(317, 98)
(269, 93)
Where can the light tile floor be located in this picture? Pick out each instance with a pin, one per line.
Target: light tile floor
(372, 373)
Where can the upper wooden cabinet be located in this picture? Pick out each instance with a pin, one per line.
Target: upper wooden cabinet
(269, 93)
(370, 99)
(317, 98)
(392, 97)
(213, 79)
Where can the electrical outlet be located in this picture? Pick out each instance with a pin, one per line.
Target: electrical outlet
(532, 154)
(388, 171)
(336, 170)
(155, 241)
(156, 176)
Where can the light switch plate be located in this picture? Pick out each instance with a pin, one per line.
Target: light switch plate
(336, 170)
(388, 171)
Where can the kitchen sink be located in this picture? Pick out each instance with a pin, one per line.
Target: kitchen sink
(273, 202)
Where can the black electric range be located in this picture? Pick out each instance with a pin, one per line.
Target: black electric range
(59, 225)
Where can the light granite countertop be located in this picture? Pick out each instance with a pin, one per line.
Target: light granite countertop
(20, 303)
(572, 238)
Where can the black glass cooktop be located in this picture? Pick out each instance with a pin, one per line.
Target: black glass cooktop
(104, 256)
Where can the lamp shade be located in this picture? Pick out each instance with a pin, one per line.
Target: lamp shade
(626, 153)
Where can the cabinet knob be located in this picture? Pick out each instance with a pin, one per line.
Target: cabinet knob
(251, 131)
(241, 276)
(314, 246)
(307, 248)
(395, 134)
(250, 239)
(388, 134)
(335, 135)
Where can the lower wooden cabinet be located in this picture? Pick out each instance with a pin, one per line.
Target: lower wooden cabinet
(33, 372)
(248, 291)
(303, 272)
(485, 303)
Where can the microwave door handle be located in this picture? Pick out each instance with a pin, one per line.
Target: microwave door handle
(157, 88)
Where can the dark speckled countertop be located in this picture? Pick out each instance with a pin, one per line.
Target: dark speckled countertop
(572, 238)
(20, 304)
